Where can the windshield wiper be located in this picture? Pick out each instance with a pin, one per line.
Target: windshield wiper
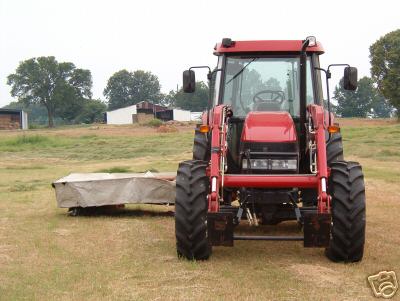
(241, 70)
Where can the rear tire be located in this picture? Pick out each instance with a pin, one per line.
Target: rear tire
(191, 211)
(201, 149)
(346, 186)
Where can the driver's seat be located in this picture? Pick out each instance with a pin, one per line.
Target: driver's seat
(267, 106)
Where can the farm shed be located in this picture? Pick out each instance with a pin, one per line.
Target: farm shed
(174, 114)
(146, 111)
(141, 112)
(122, 116)
(13, 119)
(146, 105)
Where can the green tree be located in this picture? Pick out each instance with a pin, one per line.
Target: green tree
(92, 111)
(360, 102)
(380, 106)
(348, 104)
(54, 85)
(126, 88)
(195, 102)
(168, 100)
(385, 67)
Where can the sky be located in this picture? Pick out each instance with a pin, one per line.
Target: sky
(166, 37)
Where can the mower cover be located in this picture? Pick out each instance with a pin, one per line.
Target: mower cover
(101, 189)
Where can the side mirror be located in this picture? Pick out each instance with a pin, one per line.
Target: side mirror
(350, 78)
(189, 81)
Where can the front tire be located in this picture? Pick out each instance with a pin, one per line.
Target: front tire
(201, 149)
(346, 186)
(191, 208)
(334, 149)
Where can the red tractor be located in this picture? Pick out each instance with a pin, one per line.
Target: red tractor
(268, 151)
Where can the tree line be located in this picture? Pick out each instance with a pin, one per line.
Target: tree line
(366, 101)
(50, 90)
(378, 95)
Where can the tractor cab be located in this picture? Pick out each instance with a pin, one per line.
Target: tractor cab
(261, 82)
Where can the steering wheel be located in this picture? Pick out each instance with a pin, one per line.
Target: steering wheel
(276, 96)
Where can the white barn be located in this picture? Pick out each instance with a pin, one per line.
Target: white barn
(181, 115)
(121, 116)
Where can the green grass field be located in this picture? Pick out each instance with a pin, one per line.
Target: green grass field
(130, 254)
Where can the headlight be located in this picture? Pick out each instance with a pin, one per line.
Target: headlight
(255, 164)
(290, 164)
(270, 164)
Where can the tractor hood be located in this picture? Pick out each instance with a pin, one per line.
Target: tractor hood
(269, 127)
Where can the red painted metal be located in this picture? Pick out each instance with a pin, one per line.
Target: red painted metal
(271, 181)
(269, 127)
(317, 115)
(267, 46)
(265, 122)
(218, 149)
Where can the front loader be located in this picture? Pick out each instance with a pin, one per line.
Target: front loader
(268, 151)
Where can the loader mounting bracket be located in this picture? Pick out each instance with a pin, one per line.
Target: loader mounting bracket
(317, 229)
(220, 228)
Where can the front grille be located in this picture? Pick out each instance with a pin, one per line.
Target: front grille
(270, 147)
(269, 150)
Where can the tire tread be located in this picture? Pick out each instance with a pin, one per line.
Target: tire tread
(348, 212)
(191, 211)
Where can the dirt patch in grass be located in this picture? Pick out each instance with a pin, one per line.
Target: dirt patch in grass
(167, 129)
(318, 275)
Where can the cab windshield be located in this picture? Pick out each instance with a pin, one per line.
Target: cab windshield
(264, 84)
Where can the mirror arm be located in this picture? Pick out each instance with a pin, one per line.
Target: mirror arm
(209, 77)
(337, 65)
(327, 77)
(202, 67)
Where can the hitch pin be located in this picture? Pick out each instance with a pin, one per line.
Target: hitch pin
(323, 185)
(214, 184)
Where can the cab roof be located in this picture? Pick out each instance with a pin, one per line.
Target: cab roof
(275, 46)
